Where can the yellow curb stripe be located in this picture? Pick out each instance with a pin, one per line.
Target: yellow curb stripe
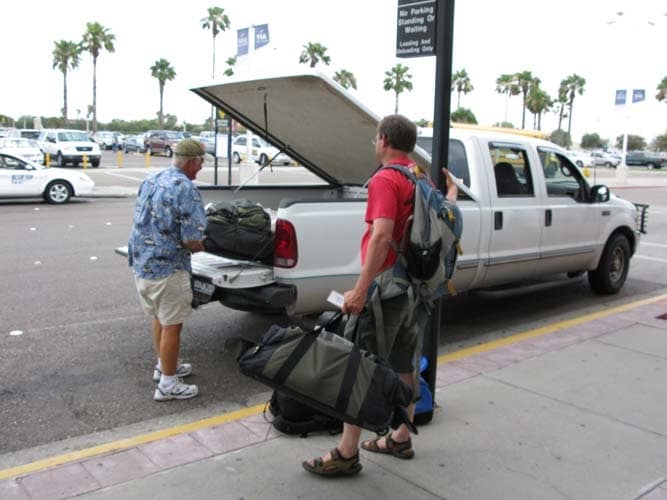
(124, 444)
(538, 332)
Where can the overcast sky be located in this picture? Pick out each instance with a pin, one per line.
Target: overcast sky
(551, 39)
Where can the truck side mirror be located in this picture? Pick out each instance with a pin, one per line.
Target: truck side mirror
(599, 193)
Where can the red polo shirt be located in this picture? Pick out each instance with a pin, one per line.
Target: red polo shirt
(390, 196)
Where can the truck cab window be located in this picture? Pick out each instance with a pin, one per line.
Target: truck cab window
(457, 159)
(511, 170)
(562, 177)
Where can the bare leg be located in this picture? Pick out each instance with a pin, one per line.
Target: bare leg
(157, 336)
(170, 342)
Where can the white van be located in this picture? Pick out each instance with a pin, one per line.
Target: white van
(69, 146)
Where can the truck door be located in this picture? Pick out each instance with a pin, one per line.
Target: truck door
(572, 225)
(516, 221)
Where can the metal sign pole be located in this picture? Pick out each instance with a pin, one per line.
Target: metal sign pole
(215, 149)
(444, 37)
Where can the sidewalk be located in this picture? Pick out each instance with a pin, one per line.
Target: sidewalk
(570, 410)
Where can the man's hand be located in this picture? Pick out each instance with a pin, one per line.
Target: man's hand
(452, 188)
(194, 245)
(353, 301)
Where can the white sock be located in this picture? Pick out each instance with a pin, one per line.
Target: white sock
(166, 381)
(159, 365)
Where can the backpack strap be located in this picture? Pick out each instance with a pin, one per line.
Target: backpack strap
(397, 247)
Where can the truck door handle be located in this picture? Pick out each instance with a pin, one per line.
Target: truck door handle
(497, 220)
(547, 217)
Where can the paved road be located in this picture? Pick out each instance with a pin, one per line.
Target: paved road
(83, 360)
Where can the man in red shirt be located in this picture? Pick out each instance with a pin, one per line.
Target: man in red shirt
(390, 197)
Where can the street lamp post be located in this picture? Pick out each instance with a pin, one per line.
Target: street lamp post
(622, 168)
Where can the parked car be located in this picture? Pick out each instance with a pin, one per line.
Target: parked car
(21, 178)
(9, 132)
(644, 159)
(133, 143)
(261, 152)
(601, 158)
(69, 146)
(107, 140)
(29, 133)
(582, 158)
(162, 142)
(25, 148)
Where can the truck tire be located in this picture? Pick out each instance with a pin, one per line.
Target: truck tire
(612, 270)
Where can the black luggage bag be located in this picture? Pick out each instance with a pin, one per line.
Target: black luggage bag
(239, 230)
(331, 375)
(293, 417)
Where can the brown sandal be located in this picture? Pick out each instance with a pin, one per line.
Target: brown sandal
(399, 450)
(337, 466)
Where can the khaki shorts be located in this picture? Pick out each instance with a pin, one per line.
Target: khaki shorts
(169, 299)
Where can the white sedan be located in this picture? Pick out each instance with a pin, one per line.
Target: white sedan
(20, 146)
(20, 178)
(261, 152)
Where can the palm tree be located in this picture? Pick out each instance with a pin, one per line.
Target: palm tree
(66, 56)
(96, 38)
(572, 85)
(163, 71)
(217, 21)
(538, 102)
(662, 90)
(346, 79)
(505, 85)
(525, 81)
(314, 53)
(461, 83)
(231, 61)
(398, 80)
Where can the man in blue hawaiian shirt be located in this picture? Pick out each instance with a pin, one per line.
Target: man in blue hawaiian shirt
(169, 223)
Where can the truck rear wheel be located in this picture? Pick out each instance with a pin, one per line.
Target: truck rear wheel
(612, 270)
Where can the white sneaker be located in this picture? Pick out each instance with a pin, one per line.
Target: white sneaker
(177, 391)
(183, 370)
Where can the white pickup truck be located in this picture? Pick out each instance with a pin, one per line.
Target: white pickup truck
(528, 212)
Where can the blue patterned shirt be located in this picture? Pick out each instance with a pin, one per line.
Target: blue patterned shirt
(169, 210)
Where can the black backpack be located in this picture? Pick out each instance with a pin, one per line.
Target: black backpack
(292, 417)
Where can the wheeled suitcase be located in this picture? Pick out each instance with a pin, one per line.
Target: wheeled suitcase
(330, 374)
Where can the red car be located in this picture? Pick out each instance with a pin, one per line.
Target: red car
(162, 142)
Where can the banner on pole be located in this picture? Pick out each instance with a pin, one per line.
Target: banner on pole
(242, 42)
(621, 96)
(638, 95)
(261, 35)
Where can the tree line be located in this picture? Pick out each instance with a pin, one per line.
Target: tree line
(97, 39)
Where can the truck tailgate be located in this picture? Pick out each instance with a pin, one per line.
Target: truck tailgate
(225, 273)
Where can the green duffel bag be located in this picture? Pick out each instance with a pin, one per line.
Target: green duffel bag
(330, 374)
